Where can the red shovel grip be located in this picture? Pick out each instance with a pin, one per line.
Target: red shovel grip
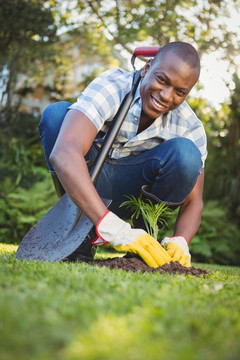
(146, 51)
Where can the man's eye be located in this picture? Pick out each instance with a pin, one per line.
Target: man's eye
(180, 93)
(161, 80)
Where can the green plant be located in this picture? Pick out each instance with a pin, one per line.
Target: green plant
(217, 240)
(153, 215)
(21, 208)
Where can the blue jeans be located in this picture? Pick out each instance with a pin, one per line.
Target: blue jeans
(170, 169)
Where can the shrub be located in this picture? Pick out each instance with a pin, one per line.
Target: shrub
(21, 208)
(217, 240)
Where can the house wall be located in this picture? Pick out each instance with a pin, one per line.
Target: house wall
(81, 65)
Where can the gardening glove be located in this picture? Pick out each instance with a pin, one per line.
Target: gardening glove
(119, 234)
(177, 248)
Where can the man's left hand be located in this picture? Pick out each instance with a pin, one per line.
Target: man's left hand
(177, 247)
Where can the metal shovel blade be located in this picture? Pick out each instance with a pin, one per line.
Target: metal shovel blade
(57, 234)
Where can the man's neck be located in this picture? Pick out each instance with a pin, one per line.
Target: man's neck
(144, 123)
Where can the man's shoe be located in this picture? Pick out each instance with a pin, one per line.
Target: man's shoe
(86, 251)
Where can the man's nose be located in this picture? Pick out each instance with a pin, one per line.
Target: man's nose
(167, 93)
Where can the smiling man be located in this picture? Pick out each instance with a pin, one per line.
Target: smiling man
(160, 151)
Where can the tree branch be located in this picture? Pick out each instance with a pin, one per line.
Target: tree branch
(116, 39)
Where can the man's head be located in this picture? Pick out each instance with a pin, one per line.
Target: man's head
(168, 78)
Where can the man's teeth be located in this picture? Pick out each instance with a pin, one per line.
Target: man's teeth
(158, 105)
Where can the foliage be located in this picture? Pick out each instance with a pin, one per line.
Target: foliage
(21, 208)
(78, 311)
(223, 161)
(37, 42)
(27, 37)
(158, 22)
(152, 215)
(21, 153)
(217, 240)
(26, 190)
(25, 15)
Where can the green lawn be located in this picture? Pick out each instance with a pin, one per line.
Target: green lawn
(77, 311)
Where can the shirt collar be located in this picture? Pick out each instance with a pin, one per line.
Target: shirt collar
(137, 97)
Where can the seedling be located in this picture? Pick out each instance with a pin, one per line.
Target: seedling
(153, 215)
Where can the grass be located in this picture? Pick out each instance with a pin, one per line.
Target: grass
(76, 311)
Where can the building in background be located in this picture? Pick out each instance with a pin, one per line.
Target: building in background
(81, 65)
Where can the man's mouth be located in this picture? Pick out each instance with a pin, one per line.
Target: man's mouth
(158, 105)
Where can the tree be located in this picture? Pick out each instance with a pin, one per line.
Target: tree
(157, 22)
(26, 38)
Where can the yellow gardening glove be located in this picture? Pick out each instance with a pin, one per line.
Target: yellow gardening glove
(149, 249)
(111, 229)
(177, 248)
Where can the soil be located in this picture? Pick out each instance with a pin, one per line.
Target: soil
(137, 264)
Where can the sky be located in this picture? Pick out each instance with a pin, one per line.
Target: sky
(215, 74)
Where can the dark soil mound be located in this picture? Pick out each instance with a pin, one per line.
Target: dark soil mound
(137, 264)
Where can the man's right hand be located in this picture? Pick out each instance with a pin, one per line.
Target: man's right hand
(119, 234)
(177, 248)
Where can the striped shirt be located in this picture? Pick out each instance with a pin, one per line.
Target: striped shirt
(101, 100)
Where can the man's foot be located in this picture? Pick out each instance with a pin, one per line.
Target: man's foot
(86, 251)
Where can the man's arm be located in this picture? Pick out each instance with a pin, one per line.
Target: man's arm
(74, 141)
(190, 212)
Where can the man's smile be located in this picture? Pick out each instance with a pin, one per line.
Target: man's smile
(157, 104)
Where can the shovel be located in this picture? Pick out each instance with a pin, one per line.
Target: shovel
(64, 227)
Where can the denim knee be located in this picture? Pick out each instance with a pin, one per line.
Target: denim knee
(188, 160)
(53, 116)
(176, 168)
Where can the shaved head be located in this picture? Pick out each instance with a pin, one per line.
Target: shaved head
(183, 50)
(168, 78)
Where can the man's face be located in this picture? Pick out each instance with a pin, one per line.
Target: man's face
(165, 85)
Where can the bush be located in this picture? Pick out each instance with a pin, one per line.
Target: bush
(21, 208)
(217, 240)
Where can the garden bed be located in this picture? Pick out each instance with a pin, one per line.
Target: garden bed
(137, 264)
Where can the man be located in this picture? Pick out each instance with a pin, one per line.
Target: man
(160, 149)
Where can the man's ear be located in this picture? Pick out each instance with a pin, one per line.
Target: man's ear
(146, 68)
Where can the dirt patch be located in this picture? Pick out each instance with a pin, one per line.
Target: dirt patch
(137, 264)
